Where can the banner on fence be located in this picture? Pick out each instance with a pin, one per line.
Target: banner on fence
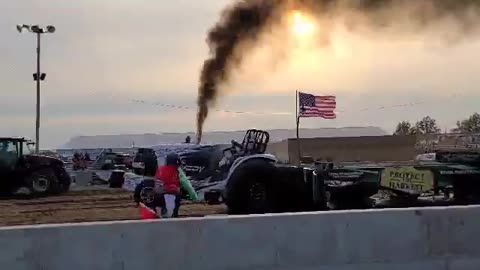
(407, 179)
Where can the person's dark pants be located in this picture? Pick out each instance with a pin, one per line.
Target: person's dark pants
(178, 199)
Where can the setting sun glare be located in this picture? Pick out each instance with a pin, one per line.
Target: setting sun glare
(301, 24)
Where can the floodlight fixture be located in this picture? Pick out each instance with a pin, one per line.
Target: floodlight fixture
(50, 29)
(35, 29)
(20, 27)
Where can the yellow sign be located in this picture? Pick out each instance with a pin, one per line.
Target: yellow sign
(407, 179)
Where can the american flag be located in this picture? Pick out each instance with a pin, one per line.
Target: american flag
(316, 106)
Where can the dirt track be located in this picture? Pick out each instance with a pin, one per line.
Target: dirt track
(84, 206)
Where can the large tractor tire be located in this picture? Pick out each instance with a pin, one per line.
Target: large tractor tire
(43, 182)
(250, 189)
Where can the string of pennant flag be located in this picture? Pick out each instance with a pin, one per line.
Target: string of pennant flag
(183, 107)
(217, 110)
(410, 104)
(402, 105)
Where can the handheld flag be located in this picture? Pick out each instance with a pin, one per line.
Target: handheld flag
(147, 213)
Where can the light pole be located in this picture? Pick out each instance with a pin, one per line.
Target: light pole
(37, 76)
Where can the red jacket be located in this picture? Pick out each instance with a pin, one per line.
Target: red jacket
(170, 179)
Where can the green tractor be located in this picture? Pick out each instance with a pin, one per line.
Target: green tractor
(19, 168)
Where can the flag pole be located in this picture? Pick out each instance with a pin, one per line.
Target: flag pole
(297, 119)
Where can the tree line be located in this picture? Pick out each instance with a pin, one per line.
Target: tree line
(429, 125)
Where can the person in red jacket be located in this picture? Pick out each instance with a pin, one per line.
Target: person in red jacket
(170, 179)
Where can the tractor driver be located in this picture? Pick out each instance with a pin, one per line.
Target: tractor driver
(7, 157)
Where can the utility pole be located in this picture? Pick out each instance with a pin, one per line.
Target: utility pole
(37, 120)
(38, 76)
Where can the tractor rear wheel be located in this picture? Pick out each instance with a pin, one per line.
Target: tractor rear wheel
(43, 182)
(250, 188)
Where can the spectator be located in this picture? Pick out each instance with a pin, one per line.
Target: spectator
(173, 180)
(168, 175)
(76, 161)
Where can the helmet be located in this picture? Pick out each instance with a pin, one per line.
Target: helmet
(173, 159)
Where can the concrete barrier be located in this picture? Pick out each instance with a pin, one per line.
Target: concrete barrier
(428, 238)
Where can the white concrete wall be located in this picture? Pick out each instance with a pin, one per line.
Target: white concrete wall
(434, 238)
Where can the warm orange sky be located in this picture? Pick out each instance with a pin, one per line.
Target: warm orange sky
(106, 53)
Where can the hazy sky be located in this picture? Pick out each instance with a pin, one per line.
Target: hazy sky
(106, 53)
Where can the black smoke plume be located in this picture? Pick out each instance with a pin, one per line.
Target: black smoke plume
(242, 24)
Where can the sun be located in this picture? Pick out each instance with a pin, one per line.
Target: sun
(302, 25)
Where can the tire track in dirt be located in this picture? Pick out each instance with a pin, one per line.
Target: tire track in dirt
(85, 206)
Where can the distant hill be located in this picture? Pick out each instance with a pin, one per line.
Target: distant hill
(220, 137)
